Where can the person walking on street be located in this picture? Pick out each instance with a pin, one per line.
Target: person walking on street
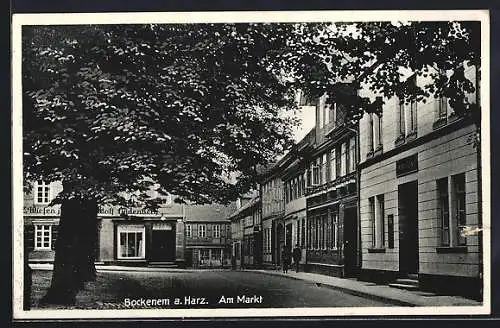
(285, 255)
(297, 254)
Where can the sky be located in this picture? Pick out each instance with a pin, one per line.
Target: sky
(307, 117)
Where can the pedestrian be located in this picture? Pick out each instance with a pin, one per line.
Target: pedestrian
(297, 254)
(285, 255)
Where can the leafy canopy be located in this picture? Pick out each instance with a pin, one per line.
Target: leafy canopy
(339, 58)
(111, 109)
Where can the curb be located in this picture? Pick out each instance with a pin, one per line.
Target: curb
(346, 290)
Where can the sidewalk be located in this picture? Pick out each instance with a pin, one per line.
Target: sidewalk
(118, 268)
(379, 292)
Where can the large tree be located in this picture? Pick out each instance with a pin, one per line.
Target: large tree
(112, 109)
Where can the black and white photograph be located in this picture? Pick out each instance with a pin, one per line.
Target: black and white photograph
(251, 164)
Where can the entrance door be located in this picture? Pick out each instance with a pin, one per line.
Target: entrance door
(408, 228)
(163, 248)
(280, 242)
(350, 240)
(288, 236)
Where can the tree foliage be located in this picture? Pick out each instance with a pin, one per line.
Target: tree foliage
(375, 55)
(115, 108)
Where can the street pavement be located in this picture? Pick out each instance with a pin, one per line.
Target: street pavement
(209, 289)
(250, 288)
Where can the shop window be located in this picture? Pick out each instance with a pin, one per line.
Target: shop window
(43, 237)
(204, 256)
(130, 242)
(42, 192)
(334, 230)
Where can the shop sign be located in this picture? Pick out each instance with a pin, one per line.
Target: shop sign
(407, 165)
(42, 210)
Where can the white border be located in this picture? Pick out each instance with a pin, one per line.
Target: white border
(18, 20)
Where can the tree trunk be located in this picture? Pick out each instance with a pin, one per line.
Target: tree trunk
(74, 258)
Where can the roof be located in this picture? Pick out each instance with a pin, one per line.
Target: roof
(253, 202)
(211, 212)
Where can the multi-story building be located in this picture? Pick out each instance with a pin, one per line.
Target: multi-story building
(419, 194)
(273, 210)
(128, 236)
(331, 194)
(208, 235)
(294, 176)
(246, 231)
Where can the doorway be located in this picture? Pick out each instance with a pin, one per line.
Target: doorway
(163, 244)
(350, 241)
(408, 228)
(280, 242)
(288, 236)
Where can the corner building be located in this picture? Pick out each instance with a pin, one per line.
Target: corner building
(419, 195)
(175, 235)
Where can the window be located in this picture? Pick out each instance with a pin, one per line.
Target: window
(352, 155)
(324, 168)
(371, 205)
(202, 231)
(452, 226)
(407, 122)
(303, 234)
(216, 255)
(378, 135)
(204, 256)
(377, 218)
(333, 171)
(343, 162)
(320, 108)
(130, 242)
(401, 117)
(413, 117)
(216, 231)
(334, 231)
(43, 237)
(42, 192)
(188, 231)
(333, 114)
(315, 172)
(459, 207)
(443, 211)
(370, 133)
(442, 108)
(338, 160)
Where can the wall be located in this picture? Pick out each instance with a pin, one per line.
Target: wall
(445, 156)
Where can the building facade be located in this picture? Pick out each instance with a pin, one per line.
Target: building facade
(294, 176)
(419, 194)
(208, 235)
(273, 211)
(132, 236)
(331, 194)
(246, 227)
